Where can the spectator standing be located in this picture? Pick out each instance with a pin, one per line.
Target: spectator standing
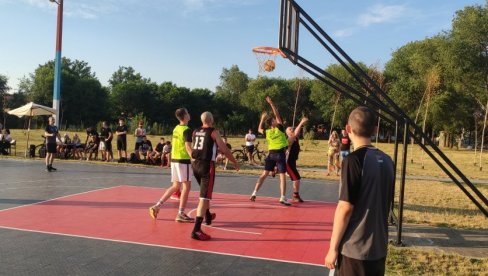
(121, 133)
(333, 153)
(106, 137)
(250, 138)
(140, 132)
(358, 245)
(345, 145)
(51, 133)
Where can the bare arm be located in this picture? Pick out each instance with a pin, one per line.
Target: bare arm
(188, 148)
(261, 123)
(298, 129)
(341, 220)
(224, 149)
(275, 110)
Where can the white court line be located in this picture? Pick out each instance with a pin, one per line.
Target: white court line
(158, 245)
(74, 179)
(42, 187)
(57, 198)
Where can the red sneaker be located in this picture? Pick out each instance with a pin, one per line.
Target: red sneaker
(199, 235)
(176, 195)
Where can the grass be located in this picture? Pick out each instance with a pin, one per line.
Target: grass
(410, 261)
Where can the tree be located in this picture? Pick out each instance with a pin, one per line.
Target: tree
(469, 51)
(83, 99)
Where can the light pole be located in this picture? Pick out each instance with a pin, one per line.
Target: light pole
(57, 64)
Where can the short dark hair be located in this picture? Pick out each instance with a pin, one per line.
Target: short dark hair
(269, 121)
(180, 113)
(362, 121)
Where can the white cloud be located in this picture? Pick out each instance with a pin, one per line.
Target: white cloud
(380, 13)
(344, 32)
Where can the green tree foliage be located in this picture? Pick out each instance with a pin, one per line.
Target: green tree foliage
(325, 97)
(83, 99)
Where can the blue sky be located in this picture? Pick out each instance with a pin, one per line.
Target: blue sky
(188, 42)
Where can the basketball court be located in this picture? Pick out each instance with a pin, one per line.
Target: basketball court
(96, 216)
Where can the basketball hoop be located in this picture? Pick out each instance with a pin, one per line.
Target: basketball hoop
(266, 57)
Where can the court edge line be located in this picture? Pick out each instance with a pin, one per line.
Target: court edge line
(57, 198)
(311, 200)
(158, 245)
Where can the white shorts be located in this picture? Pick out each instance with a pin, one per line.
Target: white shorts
(181, 172)
(102, 146)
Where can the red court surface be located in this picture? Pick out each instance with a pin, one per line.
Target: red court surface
(263, 229)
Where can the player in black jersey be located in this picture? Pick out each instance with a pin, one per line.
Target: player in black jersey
(206, 139)
(291, 161)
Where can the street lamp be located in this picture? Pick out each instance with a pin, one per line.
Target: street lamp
(57, 64)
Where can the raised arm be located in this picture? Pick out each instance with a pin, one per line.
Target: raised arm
(275, 110)
(261, 123)
(224, 149)
(298, 129)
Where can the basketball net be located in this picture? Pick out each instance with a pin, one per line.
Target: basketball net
(266, 55)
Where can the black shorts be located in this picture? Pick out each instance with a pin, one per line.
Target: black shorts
(276, 159)
(51, 148)
(291, 169)
(349, 266)
(122, 144)
(204, 172)
(250, 148)
(108, 146)
(138, 145)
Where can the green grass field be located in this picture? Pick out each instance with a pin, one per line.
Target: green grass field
(429, 201)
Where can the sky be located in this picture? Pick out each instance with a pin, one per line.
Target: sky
(189, 42)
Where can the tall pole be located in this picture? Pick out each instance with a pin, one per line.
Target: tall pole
(57, 65)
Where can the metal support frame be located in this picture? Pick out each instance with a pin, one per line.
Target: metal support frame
(293, 17)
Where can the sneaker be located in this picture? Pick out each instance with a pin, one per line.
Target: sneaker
(48, 169)
(53, 168)
(296, 197)
(252, 198)
(176, 195)
(182, 217)
(199, 235)
(208, 220)
(153, 211)
(285, 202)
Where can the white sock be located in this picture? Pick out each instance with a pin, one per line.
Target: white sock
(254, 193)
(181, 211)
(283, 198)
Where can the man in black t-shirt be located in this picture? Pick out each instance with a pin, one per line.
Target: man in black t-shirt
(358, 245)
(51, 133)
(204, 151)
(121, 133)
(92, 143)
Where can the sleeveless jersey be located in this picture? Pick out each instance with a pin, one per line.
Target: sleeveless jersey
(276, 138)
(294, 150)
(178, 151)
(204, 146)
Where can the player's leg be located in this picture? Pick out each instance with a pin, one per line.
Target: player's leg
(281, 166)
(184, 173)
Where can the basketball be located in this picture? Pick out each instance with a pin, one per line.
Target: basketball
(269, 65)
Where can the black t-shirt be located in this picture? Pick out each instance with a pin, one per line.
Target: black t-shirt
(204, 146)
(105, 133)
(345, 143)
(121, 129)
(51, 130)
(159, 147)
(367, 183)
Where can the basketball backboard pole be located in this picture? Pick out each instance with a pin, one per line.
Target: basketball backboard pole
(292, 16)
